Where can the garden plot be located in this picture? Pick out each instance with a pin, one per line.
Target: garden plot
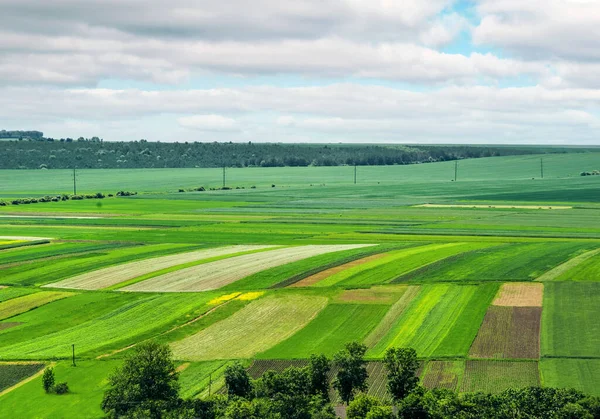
(11, 374)
(497, 376)
(443, 374)
(255, 328)
(114, 275)
(220, 273)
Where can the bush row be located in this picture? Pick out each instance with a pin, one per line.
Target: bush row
(63, 197)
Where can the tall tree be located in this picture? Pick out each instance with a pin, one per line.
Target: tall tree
(352, 371)
(237, 380)
(402, 366)
(146, 383)
(318, 370)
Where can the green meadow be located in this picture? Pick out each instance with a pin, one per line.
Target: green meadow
(426, 281)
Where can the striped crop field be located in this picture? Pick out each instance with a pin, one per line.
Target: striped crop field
(41, 272)
(394, 265)
(333, 327)
(442, 320)
(510, 262)
(114, 275)
(217, 274)
(509, 332)
(7, 293)
(497, 376)
(255, 328)
(127, 323)
(585, 267)
(15, 306)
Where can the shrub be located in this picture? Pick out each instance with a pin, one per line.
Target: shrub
(181, 190)
(61, 388)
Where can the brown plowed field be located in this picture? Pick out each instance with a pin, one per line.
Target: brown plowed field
(509, 332)
(313, 279)
(520, 295)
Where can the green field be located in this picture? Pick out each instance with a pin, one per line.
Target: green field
(427, 281)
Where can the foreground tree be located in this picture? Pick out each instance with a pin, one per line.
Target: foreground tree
(145, 386)
(402, 366)
(352, 371)
(238, 381)
(318, 370)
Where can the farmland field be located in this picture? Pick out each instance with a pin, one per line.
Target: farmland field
(491, 287)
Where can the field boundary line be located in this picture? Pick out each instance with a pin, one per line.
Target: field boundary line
(28, 379)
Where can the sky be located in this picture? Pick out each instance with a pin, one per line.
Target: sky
(320, 71)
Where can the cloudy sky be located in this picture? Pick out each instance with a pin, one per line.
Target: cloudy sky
(395, 71)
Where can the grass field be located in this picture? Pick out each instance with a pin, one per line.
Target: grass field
(581, 374)
(570, 325)
(462, 280)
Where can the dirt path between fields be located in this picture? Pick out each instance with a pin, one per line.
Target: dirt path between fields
(542, 207)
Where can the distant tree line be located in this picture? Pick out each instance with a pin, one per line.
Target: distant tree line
(22, 135)
(94, 153)
(146, 386)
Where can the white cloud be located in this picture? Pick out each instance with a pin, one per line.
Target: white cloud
(341, 112)
(208, 123)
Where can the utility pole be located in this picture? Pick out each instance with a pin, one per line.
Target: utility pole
(455, 170)
(73, 346)
(355, 173)
(74, 182)
(223, 176)
(542, 166)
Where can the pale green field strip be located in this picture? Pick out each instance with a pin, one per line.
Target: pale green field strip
(580, 374)
(10, 293)
(44, 271)
(217, 274)
(127, 324)
(570, 326)
(335, 326)
(114, 275)
(371, 272)
(585, 267)
(441, 320)
(254, 329)
(390, 318)
(565, 271)
(25, 303)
